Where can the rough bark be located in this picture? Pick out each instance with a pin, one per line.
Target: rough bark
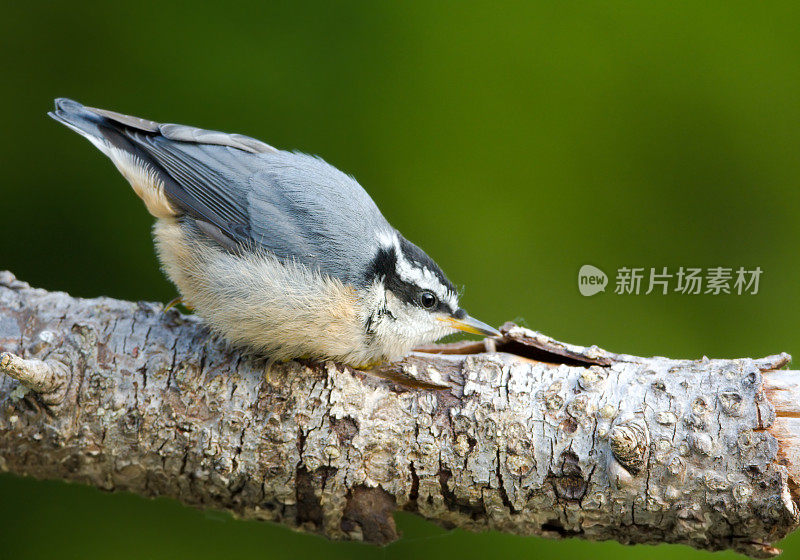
(524, 435)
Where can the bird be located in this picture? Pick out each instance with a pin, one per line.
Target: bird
(277, 252)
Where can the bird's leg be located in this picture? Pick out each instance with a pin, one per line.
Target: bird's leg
(365, 367)
(176, 301)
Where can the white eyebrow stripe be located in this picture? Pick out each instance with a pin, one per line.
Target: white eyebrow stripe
(388, 239)
(422, 277)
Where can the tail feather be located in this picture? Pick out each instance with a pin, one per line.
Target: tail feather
(75, 116)
(87, 119)
(146, 178)
(166, 180)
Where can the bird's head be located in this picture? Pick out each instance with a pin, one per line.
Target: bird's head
(414, 303)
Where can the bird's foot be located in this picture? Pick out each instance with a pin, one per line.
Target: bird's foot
(174, 302)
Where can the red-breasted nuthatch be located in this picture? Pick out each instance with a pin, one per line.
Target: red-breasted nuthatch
(277, 251)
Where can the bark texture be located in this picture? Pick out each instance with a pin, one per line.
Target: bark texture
(524, 435)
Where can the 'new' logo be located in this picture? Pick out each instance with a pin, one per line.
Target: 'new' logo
(591, 280)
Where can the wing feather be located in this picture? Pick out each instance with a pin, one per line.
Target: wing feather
(241, 191)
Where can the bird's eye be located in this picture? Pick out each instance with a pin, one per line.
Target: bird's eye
(427, 299)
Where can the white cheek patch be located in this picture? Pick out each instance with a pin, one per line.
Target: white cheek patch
(411, 323)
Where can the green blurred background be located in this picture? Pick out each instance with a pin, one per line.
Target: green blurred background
(514, 142)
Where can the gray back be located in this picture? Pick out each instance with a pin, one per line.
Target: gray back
(301, 207)
(293, 205)
(245, 193)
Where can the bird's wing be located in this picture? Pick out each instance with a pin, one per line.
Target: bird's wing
(241, 191)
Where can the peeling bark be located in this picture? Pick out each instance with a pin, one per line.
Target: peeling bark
(524, 435)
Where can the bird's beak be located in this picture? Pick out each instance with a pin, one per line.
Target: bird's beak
(470, 325)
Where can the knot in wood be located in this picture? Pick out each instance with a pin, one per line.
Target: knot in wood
(629, 442)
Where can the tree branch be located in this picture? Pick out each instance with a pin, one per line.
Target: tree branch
(524, 435)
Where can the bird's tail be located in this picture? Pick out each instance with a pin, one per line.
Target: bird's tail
(75, 116)
(105, 129)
